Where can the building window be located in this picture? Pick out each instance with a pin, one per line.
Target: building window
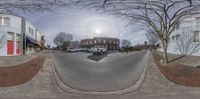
(1, 21)
(104, 41)
(198, 22)
(10, 36)
(173, 38)
(99, 41)
(18, 38)
(177, 37)
(4, 21)
(95, 41)
(30, 31)
(197, 19)
(196, 36)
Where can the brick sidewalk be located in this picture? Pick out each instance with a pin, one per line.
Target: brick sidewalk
(156, 84)
(187, 60)
(41, 86)
(179, 73)
(7, 61)
(18, 74)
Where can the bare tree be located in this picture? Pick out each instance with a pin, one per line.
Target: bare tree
(186, 44)
(152, 39)
(62, 40)
(159, 16)
(48, 47)
(14, 6)
(126, 43)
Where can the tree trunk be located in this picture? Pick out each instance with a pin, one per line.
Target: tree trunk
(165, 46)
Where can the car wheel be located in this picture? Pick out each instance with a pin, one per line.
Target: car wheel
(101, 52)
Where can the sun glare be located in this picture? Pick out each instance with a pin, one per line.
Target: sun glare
(98, 31)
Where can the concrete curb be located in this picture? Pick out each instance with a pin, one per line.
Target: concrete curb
(187, 64)
(66, 88)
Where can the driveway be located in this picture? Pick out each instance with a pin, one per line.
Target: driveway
(113, 72)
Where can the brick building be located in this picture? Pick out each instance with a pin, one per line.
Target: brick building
(107, 42)
(74, 44)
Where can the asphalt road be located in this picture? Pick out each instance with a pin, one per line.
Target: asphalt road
(114, 72)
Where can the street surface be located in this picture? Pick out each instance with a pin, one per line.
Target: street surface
(44, 86)
(113, 72)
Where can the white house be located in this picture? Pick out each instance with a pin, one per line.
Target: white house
(188, 27)
(17, 36)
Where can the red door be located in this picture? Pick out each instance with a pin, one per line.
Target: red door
(10, 48)
(17, 49)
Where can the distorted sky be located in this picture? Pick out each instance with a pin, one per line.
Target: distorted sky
(83, 23)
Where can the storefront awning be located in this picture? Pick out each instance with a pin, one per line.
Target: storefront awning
(30, 40)
(39, 44)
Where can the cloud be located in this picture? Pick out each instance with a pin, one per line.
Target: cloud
(81, 23)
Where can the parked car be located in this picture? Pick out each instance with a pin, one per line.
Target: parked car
(98, 50)
(70, 50)
(84, 50)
